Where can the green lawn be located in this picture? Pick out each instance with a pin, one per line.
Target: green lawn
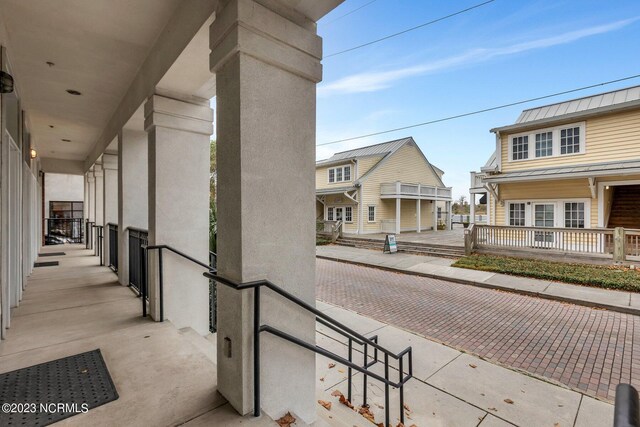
(601, 276)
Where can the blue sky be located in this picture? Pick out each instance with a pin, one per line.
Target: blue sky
(506, 51)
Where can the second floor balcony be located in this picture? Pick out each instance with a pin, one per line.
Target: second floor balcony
(402, 190)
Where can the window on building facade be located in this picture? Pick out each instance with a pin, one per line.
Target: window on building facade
(340, 174)
(544, 144)
(517, 214)
(372, 214)
(570, 140)
(329, 214)
(520, 147)
(348, 214)
(574, 215)
(66, 209)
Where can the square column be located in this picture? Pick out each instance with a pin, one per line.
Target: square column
(472, 208)
(91, 181)
(99, 198)
(266, 70)
(179, 135)
(418, 201)
(110, 197)
(133, 193)
(398, 218)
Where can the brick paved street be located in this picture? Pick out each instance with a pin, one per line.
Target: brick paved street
(587, 349)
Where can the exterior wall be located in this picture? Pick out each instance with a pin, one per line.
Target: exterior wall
(366, 163)
(406, 165)
(63, 188)
(608, 138)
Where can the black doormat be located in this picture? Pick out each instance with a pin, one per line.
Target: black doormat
(47, 393)
(46, 264)
(52, 254)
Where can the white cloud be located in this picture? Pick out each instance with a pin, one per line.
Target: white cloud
(374, 81)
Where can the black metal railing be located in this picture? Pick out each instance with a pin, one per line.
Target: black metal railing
(627, 407)
(352, 336)
(213, 297)
(113, 246)
(138, 241)
(88, 234)
(63, 230)
(99, 239)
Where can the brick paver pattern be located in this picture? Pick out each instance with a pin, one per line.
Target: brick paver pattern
(590, 350)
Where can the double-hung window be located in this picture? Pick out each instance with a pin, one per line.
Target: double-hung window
(340, 174)
(520, 147)
(348, 214)
(570, 140)
(371, 214)
(544, 144)
(329, 214)
(517, 214)
(574, 215)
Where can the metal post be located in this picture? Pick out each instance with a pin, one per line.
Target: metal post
(161, 285)
(387, 419)
(256, 351)
(401, 375)
(364, 382)
(349, 370)
(143, 288)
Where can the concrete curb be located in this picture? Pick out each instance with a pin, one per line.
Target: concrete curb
(576, 301)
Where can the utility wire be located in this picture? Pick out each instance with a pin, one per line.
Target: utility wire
(409, 29)
(481, 111)
(349, 13)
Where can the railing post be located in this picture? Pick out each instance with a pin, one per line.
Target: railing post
(627, 408)
(256, 351)
(160, 284)
(143, 288)
(387, 418)
(619, 250)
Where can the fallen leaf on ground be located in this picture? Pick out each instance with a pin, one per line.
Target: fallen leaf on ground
(327, 405)
(407, 407)
(332, 365)
(400, 425)
(341, 371)
(286, 420)
(366, 413)
(322, 379)
(345, 402)
(493, 409)
(509, 401)
(473, 366)
(336, 393)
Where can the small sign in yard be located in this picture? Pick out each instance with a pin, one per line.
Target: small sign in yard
(390, 245)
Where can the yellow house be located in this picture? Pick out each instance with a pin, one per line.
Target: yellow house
(383, 188)
(573, 165)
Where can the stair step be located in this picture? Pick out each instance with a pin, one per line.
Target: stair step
(207, 344)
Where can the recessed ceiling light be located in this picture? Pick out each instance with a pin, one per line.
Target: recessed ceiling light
(50, 64)
(51, 126)
(66, 140)
(73, 92)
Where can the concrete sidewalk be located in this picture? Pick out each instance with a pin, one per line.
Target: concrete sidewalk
(449, 388)
(440, 268)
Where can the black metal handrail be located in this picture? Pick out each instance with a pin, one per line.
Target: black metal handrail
(344, 330)
(627, 407)
(63, 230)
(113, 246)
(138, 240)
(97, 251)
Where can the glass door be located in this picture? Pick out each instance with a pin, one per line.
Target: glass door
(544, 216)
(339, 214)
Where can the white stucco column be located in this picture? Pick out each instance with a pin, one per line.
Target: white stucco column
(91, 181)
(179, 141)
(110, 197)
(472, 208)
(132, 193)
(98, 174)
(266, 70)
(85, 204)
(449, 217)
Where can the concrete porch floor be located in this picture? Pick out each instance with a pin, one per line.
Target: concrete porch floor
(453, 237)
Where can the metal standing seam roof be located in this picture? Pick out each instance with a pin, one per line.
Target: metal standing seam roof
(607, 99)
(377, 149)
(569, 171)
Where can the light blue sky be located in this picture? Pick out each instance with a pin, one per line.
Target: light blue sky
(506, 51)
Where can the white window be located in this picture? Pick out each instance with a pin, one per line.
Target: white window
(574, 215)
(570, 140)
(372, 214)
(520, 147)
(517, 214)
(329, 214)
(348, 214)
(544, 144)
(340, 174)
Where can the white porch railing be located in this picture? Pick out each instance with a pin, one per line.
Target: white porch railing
(476, 180)
(388, 226)
(617, 243)
(400, 189)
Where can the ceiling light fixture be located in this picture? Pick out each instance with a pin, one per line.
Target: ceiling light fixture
(50, 64)
(51, 126)
(66, 140)
(73, 92)
(6, 82)
(33, 153)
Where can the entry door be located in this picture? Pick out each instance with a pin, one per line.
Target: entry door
(339, 214)
(544, 216)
